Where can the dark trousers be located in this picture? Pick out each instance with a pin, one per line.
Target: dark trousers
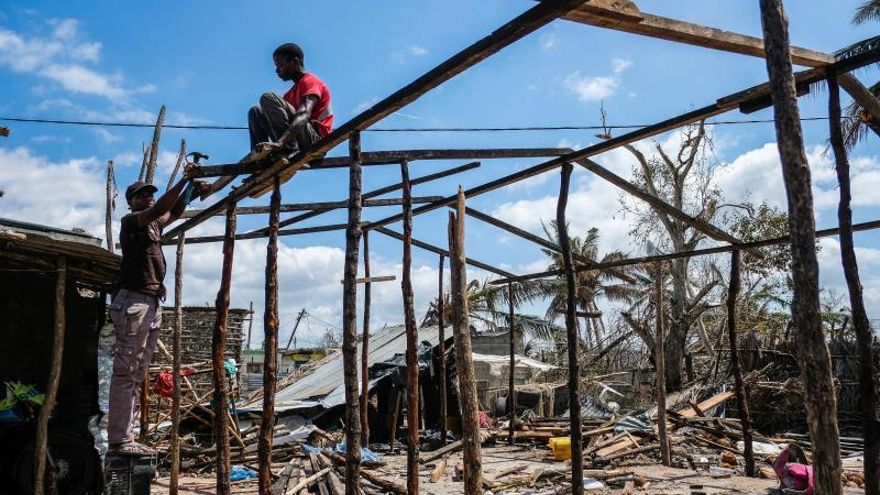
(268, 121)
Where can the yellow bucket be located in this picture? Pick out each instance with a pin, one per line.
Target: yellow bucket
(561, 447)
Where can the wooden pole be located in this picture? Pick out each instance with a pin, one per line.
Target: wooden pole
(441, 350)
(412, 341)
(175, 366)
(108, 217)
(511, 392)
(861, 325)
(42, 440)
(814, 359)
(470, 423)
(270, 345)
(349, 319)
(218, 351)
(741, 396)
(660, 365)
(574, 399)
(250, 325)
(154, 146)
(365, 346)
(181, 156)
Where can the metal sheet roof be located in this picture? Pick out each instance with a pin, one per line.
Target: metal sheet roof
(325, 387)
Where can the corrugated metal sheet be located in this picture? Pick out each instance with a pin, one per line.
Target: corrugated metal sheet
(325, 385)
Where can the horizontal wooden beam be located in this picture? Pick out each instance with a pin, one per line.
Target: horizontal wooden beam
(862, 95)
(382, 278)
(524, 24)
(322, 206)
(664, 28)
(434, 249)
(875, 224)
(259, 235)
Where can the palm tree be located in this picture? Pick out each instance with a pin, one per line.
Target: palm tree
(858, 120)
(615, 284)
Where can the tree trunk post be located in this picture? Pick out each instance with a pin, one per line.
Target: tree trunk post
(660, 364)
(574, 399)
(365, 346)
(42, 437)
(218, 353)
(154, 146)
(861, 325)
(814, 359)
(175, 366)
(441, 349)
(470, 423)
(412, 340)
(741, 395)
(511, 392)
(108, 217)
(349, 319)
(270, 344)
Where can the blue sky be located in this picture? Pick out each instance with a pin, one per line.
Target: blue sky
(121, 61)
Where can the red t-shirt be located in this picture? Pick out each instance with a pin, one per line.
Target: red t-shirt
(322, 115)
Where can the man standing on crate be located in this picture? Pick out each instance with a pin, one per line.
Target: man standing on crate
(136, 311)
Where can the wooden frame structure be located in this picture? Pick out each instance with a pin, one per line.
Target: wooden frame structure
(619, 15)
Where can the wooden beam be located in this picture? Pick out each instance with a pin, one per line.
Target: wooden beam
(270, 345)
(218, 352)
(862, 95)
(814, 360)
(369, 280)
(42, 437)
(321, 205)
(109, 207)
(861, 324)
(175, 367)
(741, 397)
(511, 391)
(470, 424)
(574, 400)
(660, 365)
(510, 32)
(685, 32)
(875, 224)
(441, 351)
(260, 235)
(412, 342)
(365, 341)
(154, 146)
(441, 251)
(349, 320)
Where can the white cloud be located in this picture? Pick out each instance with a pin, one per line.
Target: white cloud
(619, 65)
(107, 136)
(65, 29)
(590, 88)
(547, 40)
(831, 273)
(402, 56)
(364, 105)
(418, 51)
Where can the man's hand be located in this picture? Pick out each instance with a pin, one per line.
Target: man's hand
(268, 147)
(191, 170)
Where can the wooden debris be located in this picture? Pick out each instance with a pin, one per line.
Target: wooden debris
(439, 471)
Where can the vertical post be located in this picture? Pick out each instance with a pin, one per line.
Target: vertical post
(42, 439)
(814, 359)
(864, 338)
(349, 318)
(154, 146)
(441, 349)
(270, 343)
(574, 400)
(250, 325)
(175, 366)
(660, 365)
(511, 392)
(412, 340)
(218, 351)
(741, 396)
(108, 217)
(365, 346)
(470, 423)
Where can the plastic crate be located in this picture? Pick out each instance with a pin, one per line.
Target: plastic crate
(129, 475)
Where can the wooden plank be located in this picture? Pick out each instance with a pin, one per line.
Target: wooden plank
(369, 280)
(260, 235)
(862, 95)
(365, 341)
(349, 320)
(218, 350)
(444, 252)
(668, 29)
(510, 32)
(270, 345)
(321, 205)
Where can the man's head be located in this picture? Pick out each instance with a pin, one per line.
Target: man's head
(289, 62)
(140, 196)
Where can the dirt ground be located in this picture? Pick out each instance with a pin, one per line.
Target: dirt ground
(662, 480)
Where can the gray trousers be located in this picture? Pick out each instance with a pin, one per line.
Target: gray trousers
(268, 121)
(137, 318)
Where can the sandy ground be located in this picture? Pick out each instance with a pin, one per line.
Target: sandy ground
(662, 480)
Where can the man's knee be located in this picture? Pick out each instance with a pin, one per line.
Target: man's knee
(254, 113)
(269, 98)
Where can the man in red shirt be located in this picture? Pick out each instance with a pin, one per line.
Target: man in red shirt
(299, 119)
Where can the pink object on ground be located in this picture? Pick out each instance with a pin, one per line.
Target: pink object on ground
(794, 475)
